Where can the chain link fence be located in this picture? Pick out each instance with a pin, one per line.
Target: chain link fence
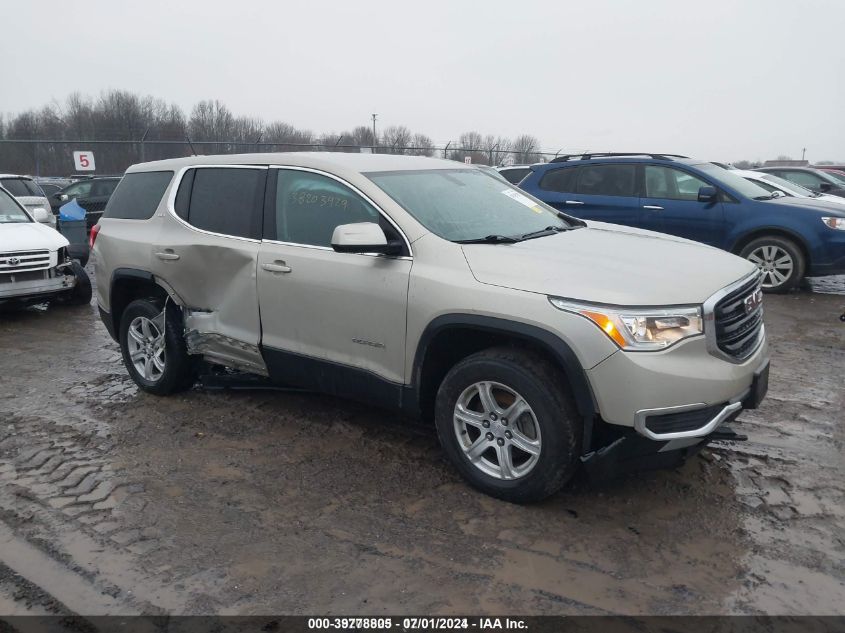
(45, 158)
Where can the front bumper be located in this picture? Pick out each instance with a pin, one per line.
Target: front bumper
(635, 389)
(36, 289)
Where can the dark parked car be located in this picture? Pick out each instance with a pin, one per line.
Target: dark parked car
(91, 194)
(514, 173)
(786, 238)
(811, 178)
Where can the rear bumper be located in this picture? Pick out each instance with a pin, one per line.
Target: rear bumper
(38, 289)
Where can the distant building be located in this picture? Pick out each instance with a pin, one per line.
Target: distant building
(786, 163)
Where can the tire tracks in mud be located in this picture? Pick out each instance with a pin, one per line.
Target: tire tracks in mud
(60, 529)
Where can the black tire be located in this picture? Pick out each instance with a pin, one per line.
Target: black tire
(81, 293)
(179, 367)
(543, 387)
(752, 252)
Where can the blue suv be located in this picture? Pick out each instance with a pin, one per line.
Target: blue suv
(787, 238)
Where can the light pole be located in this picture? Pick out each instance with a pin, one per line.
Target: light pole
(375, 138)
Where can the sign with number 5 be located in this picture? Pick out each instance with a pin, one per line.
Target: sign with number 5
(83, 161)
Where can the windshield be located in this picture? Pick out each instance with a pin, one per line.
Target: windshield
(788, 186)
(10, 210)
(734, 181)
(467, 204)
(21, 187)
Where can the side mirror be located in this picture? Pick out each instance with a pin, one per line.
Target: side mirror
(363, 237)
(61, 197)
(41, 215)
(777, 193)
(707, 193)
(825, 186)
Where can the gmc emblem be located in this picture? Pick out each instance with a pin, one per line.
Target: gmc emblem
(753, 301)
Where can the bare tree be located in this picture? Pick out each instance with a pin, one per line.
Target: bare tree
(211, 121)
(525, 149)
(422, 145)
(395, 138)
(362, 136)
(289, 137)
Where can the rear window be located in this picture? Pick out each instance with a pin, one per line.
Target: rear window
(19, 187)
(138, 195)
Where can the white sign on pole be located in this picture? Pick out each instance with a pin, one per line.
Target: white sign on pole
(83, 161)
(468, 160)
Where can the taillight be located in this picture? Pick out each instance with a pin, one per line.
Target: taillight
(92, 237)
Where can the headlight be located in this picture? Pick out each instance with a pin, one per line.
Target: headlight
(835, 223)
(639, 330)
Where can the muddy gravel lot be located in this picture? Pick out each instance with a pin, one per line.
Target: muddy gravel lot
(261, 502)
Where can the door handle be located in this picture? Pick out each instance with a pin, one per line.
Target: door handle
(573, 202)
(277, 267)
(653, 207)
(167, 255)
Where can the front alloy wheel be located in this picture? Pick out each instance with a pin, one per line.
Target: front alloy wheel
(497, 430)
(507, 422)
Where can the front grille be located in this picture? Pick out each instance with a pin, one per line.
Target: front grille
(738, 319)
(24, 261)
(683, 421)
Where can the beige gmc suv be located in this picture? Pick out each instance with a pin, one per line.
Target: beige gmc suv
(534, 341)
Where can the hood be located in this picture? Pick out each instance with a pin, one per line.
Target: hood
(608, 263)
(28, 236)
(811, 204)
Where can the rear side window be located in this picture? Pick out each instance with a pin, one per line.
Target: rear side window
(513, 176)
(560, 180)
(224, 200)
(608, 180)
(138, 195)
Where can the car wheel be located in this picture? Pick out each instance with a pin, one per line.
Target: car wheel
(81, 293)
(780, 261)
(507, 423)
(154, 349)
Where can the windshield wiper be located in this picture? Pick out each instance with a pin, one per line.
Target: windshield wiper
(549, 230)
(490, 239)
(764, 197)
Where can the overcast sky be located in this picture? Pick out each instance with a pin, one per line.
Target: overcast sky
(716, 79)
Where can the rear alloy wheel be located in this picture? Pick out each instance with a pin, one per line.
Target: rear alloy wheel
(154, 349)
(146, 346)
(780, 261)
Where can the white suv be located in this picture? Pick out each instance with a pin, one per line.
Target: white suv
(534, 341)
(35, 266)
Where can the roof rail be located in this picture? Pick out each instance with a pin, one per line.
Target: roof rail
(588, 156)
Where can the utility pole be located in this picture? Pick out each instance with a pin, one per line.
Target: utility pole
(375, 138)
(803, 151)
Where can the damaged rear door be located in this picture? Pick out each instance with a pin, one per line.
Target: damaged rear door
(207, 253)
